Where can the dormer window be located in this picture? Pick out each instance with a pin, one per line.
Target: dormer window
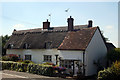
(48, 45)
(25, 46)
(10, 46)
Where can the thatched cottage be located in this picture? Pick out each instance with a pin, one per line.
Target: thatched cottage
(64, 46)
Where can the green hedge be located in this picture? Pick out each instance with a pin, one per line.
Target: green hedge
(40, 69)
(31, 68)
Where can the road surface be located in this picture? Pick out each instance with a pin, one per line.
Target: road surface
(13, 75)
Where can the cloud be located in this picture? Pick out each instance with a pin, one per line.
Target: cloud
(19, 26)
(109, 27)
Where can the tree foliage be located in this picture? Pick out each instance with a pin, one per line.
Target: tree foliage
(3, 42)
(111, 73)
(104, 38)
(114, 55)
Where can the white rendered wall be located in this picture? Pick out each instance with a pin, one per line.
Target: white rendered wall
(15, 51)
(37, 54)
(95, 50)
(69, 54)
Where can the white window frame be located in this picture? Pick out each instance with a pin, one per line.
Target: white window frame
(66, 63)
(47, 58)
(30, 57)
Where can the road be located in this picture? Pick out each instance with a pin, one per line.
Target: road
(13, 75)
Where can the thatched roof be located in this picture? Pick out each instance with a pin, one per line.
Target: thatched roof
(59, 38)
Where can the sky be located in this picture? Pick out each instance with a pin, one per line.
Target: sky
(30, 15)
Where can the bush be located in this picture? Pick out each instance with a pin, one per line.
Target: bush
(110, 73)
(48, 63)
(31, 68)
(27, 61)
(114, 55)
(40, 69)
(9, 65)
(10, 57)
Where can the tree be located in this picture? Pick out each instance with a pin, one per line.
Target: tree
(3, 42)
(114, 55)
(104, 38)
(111, 73)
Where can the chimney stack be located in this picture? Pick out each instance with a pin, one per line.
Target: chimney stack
(15, 30)
(90, 23)
(46, 25)
(70, 23)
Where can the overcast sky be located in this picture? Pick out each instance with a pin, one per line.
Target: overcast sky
(29, 15)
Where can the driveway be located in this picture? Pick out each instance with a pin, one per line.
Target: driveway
(13, 75)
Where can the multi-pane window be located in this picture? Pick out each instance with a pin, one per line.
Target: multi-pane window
(27, 57)
(47, 57)
(19, 56)
(66, 63)
(48, 45)
(25, 46)
(10, 46)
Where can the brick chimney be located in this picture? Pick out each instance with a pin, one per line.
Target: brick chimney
(70, 23)
(46, 25)
(90, 23)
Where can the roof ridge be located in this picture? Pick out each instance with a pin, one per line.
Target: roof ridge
(42, 28)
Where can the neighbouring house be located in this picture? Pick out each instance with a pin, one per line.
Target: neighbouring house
(110, 46)
(64, 46)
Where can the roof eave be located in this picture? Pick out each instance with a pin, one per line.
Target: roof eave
(73, 49)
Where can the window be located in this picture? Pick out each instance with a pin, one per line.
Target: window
(10, 46)
(19, 56)
(25, 46)
(48, 45)
(47, 57)
(66, 63)
(27, 57)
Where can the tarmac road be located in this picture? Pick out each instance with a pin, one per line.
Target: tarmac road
(13, 75)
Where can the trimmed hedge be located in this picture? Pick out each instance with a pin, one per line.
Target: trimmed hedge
(9, 65)
(40, 69)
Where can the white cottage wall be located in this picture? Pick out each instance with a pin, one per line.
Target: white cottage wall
(15, 51)
(71, 54)
(95, 51)
(37, 54)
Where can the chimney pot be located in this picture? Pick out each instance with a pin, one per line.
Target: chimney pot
(70, 23)
(15, 30)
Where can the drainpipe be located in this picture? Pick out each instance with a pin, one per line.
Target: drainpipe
(56, 59)
(84, 63)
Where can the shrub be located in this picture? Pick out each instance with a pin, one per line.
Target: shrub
(110, 73)
(27, 61)
(10, 57)
(114, 55)
(40, 69)
(6, 58)
(48, 63)
(31, 68)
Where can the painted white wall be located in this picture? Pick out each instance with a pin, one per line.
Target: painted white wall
(37, 54)
(74, 55)
(95, 50)
(15, 51)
